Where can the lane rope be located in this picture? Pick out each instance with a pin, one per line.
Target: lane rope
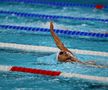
(43, 16)
(62, 4)
(62, 32)
(45, 49)
(52, 73)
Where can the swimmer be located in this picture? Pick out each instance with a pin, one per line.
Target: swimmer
(65, 55)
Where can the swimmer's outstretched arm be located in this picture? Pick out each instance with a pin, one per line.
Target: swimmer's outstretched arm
(94, 65)
(57, 40)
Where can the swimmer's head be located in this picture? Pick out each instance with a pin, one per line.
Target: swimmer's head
(63, 56)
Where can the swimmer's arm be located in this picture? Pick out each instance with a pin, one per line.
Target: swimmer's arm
(93, 64)
(57, 40)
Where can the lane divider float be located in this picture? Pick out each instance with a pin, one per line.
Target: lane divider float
(55, 3)
(44, 16)
(99, 6)
(62, 32)
(52, 73)
(45, 49)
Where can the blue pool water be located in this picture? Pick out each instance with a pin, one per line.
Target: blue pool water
(24, 81)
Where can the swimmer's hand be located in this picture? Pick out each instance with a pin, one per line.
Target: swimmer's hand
(91, 62)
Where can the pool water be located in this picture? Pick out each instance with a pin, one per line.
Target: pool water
(59, 23)
(24, 81)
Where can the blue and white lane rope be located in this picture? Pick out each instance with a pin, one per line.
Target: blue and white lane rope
(47, 2)
(21, 14)
(46, 49)
(62, 32)
(6, 68)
